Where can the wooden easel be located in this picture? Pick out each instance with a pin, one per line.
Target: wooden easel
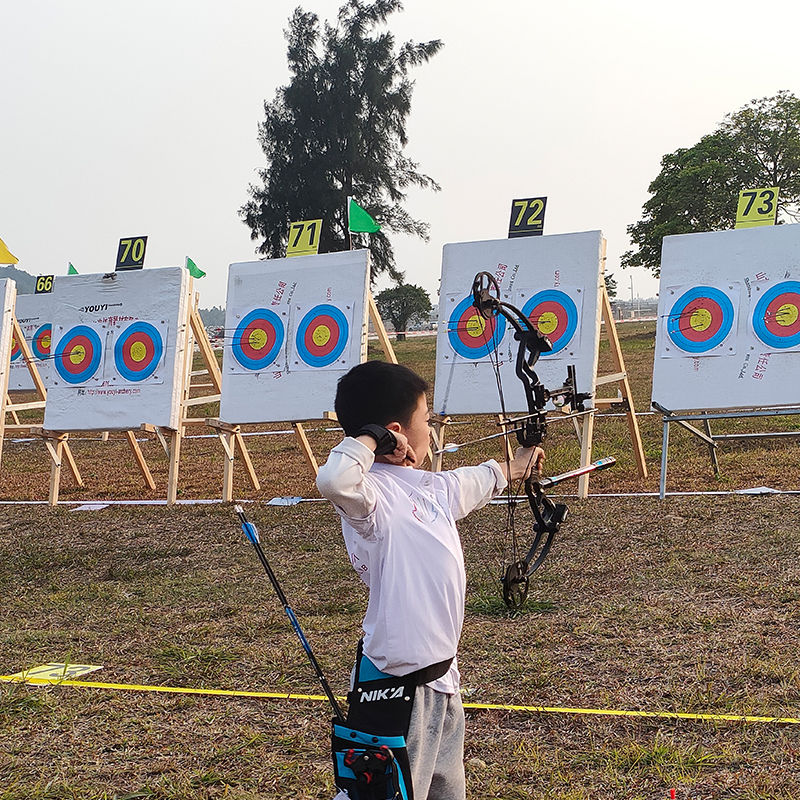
(230, 435)
(56, 444)
(584, 424)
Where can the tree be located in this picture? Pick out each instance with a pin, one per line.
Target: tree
(403, 304)
(611, 285)
(698, 187)
(338, 129)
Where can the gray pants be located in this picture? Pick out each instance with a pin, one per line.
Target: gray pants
(436, 746)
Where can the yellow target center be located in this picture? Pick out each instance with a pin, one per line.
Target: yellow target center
(787, 315)
(77, 354)
(46, 343)
(700, 319)
(257, 339)
(476, 325)
(13, 343)
(547, 323)
(321, 335)
(138, 352)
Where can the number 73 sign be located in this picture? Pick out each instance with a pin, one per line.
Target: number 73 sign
(757, 207)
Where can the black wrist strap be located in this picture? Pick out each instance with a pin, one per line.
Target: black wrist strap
(384, 439)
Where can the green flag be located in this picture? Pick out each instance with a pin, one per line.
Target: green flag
(71, 270)
(194, 270)
(358, 221)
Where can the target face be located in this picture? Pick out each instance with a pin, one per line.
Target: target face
(42, 340)
(322, 335)
(555, 315)
(776, 319)
(78, 354)
(137, 351)
(472, 336)
(258, 339)
(16, 350)
(700, 319)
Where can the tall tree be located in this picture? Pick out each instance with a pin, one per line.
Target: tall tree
(338, 129)
(403, 304)
(698, 187)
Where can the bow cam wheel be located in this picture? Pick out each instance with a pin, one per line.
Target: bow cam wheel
(515, 585)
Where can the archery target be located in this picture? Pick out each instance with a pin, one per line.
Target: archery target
(16, 350)
(700, 319)
(41, 341)
(322, 335)
(78, 354)
(258, 339)
(776, 319)
(138, 351)
(470, 334)
(555, 314)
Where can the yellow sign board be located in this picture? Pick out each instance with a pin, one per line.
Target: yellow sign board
(757, 207)
(304, 238)
(53, 672)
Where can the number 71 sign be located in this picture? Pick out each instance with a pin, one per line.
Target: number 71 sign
(304, 238)
(527, 217)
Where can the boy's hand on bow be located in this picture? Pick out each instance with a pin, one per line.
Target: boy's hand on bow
(527, 463)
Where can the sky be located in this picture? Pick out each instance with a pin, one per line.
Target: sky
(140, 118)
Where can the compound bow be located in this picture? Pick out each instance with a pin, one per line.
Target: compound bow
(530, 430)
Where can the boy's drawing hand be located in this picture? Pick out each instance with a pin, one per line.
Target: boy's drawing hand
(403, 454)
(527, 462)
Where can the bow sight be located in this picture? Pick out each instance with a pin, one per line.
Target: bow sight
(530, 430)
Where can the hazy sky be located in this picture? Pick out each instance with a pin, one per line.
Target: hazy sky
(128, 118)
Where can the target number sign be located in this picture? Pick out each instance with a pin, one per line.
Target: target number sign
(138, 351)
(304, 238)
(130, 253)
(322, 335)
(44, 284)
(258, 339)
(757, 207)
(700, 319)
(470, 334)
(776, 319)
(554, 314)
(527, 217)
(78, 354)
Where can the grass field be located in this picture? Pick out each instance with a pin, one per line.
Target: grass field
(690, 604)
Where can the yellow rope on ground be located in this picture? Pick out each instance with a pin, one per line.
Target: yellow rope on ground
(606, 712)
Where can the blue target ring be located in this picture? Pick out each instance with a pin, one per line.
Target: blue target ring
(554, 314)
(258, 339)
(776, 319)
(700, 319)
(78, 354)
(322, 335)
(472, 336)
(138, 351)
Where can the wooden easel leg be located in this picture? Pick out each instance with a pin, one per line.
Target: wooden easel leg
(306, 447)
(228, 445)
(254, 482)
(55, 451)
(73, 467)
(662, 483)
(139, 458)
(586, 454)
(14, 415)
(437, 435)
(509, 450)
(380, 329)
(174, 461)
(712, 450)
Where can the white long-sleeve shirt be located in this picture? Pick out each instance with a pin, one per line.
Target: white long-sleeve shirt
(399, 529)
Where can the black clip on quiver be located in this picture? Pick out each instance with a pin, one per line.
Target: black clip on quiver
(365, 766)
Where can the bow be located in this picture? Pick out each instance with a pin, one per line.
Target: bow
(530, 430)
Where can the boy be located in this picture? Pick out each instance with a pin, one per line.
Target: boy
(399, 528)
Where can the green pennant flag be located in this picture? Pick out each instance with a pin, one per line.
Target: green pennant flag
(71, 270)
(194, 270)
(358, 221)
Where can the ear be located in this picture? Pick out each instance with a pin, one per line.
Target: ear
(394, 426)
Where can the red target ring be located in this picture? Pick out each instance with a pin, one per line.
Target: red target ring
(782, 315)
(701, 319)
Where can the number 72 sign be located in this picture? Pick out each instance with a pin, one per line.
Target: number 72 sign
(527, 217)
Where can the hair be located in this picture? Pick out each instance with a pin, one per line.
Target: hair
(379, 393)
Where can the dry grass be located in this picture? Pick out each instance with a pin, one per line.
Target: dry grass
(690, 604)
